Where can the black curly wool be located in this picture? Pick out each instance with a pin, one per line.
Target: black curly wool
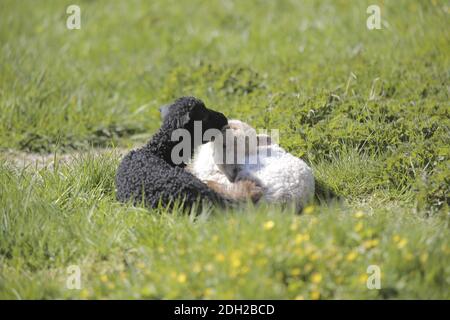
(149, 175)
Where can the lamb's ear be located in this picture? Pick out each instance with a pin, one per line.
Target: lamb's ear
(164, 110)
(183, 120)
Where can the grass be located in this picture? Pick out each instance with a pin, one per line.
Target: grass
(367, 109)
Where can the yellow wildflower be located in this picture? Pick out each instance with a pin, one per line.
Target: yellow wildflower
(308, 210)
(314, 256)
(402, 243)
(315, 295)
(84, 294)
(299, 297)
(181, 278)
(235, 262)
(358, 227)
(295, 272)
(220, 257)
(359, 214)
(371, 243)
(104, 278)
(269, 225)
(316, 277)
(363, 278)
(351, 256)
(299, 238)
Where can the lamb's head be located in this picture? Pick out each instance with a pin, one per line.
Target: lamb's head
(239, 144)
(185, 111)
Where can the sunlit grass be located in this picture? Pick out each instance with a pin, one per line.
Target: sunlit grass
(368, 110)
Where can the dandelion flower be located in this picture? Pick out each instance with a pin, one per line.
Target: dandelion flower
(269, 225)
(358, 227)
(301, 238)
(84, 294)
(351, 256)
(402, 243)
(295, 272)
(220, 257)
(363, 278)
(316, 277)
(315, 295)
(181, 278)
(359, 214)
(371, 243)
(308, 210)
(235, 262)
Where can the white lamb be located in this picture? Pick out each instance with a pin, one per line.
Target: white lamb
(283, 177)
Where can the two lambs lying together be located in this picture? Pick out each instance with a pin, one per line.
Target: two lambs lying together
(260, 169)
(263, 170)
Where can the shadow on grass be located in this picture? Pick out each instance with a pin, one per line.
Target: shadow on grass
(324, 194)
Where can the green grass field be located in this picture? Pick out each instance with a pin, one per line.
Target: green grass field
(367, 109)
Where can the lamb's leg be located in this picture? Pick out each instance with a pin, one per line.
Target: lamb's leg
(240, 190)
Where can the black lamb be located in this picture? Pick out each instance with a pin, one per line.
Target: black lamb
(149, 175)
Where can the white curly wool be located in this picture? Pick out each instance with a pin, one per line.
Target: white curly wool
(284, 177)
